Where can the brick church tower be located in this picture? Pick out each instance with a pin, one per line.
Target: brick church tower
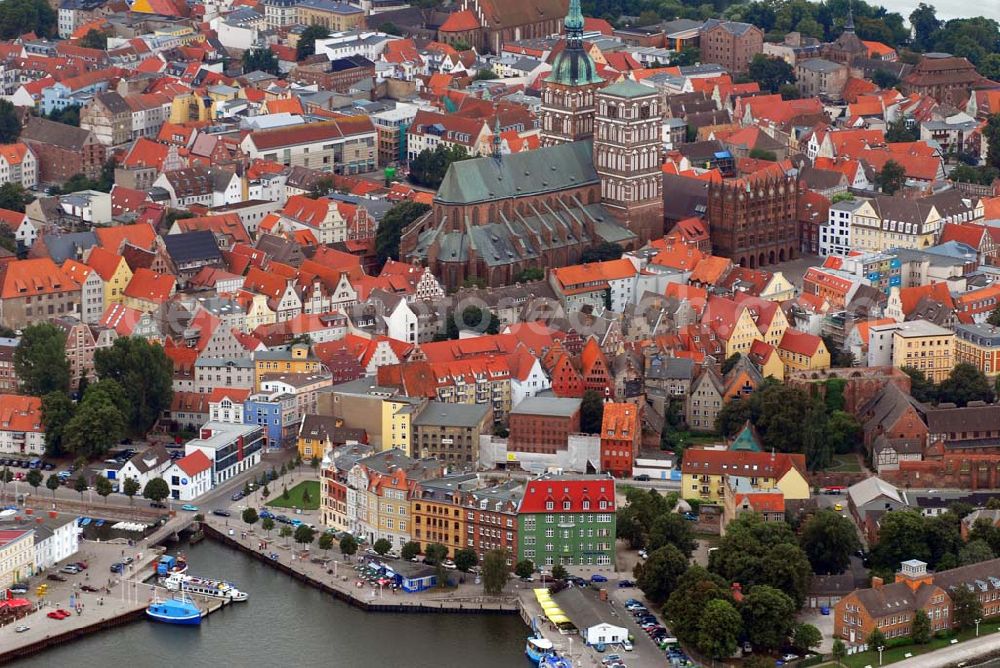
(567, 108)
(627, 149)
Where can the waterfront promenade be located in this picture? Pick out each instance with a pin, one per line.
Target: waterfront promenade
(338, 577)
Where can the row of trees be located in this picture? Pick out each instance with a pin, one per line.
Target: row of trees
(495, 571)
(790, 420)
(937, 540)
(105, 412)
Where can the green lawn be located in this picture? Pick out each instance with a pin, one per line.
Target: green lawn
(294, 499)
(899, 653)
(845, 464)
(698, 438)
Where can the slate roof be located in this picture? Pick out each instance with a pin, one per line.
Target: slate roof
(56, 134)
(440, 414)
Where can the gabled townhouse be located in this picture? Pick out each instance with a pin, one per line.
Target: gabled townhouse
(113, 271)
(430, 129)
(282, 298)
(189, 477)
(91, 289)
(20, 225)
(18, 164)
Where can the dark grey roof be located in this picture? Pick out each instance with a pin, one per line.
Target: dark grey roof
(114, 103)
(64, 247)
(967, 419)
(821, 179)
(820, 65)
(325, 427)
(662, 368)
(440, 414)
(45, 131)
(192, 247)
(350, 63)
(683, 197)
(544, 170)
(732, 27)
(564, 407)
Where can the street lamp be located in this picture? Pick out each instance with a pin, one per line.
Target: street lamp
(880, 648)
(977, 626)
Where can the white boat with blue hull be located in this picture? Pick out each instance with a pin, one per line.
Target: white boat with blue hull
(537, 648)
(181, 611)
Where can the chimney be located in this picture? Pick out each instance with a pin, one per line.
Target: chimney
(876, 582)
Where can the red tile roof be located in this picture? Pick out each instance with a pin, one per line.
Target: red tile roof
(194, 463)
(461, 21)
(559, 490)
(150, 286)
(34, 277)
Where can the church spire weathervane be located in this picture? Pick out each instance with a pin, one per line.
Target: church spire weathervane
(574, 24)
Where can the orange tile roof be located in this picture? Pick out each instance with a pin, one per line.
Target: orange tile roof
(194, 463)
(910, 297)
(878, 48)
(610, 270)
(966, 233)
(13, 153)
(104, 262)
(800, 343)
(20, 413)
(461, 21)
(147, 285)
(291, 105)
(34, 277)
(141, 235)
(710, 270)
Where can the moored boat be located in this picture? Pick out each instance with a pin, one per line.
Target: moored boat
(553, 660)
(203, 587)
(175, 611)
(537, 648)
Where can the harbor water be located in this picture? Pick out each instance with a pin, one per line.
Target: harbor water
(288, 624)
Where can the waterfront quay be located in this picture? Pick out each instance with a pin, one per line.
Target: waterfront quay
(119, 599)
(338, 577)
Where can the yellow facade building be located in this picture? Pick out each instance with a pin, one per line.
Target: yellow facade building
(113, 270)
(17, 556)
(397, 413)
(922, 345)
(704, 472)
(297, 360)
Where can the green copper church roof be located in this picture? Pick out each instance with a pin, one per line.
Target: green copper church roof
(746, 440)
(628, 89)
(543, 170)
(574, 67)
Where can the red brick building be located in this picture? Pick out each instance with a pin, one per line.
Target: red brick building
(754, 220)
(491, 518)
(948, 79)
(63, 150)
(730, 44)
(621, 431)
(543, 424)
(890, 607)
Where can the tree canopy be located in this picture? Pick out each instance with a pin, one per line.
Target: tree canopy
(754, 552)
(146, 371)
(591, 412)
(430, 166)
(770, 73)
(658, 575)
(40, 360)
(891, 177)
(391, 228)
(602, 252)
(18, 17)
(828, 540)
(306, 46)
(263, 60)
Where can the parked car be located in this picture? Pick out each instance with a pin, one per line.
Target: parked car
(56, 577)
(22, 628)
(156, 504)
(72, 569)
(624, 584)
(236, 496)
(117, 567)
(57, 614)
(265, 514)
(127, 560)
(626, 645)
(450, 565)
(89, 588)
(642, 477)
(190, 508)
(221, 512)
(598, 578)
(82, 565)
(19, 588)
